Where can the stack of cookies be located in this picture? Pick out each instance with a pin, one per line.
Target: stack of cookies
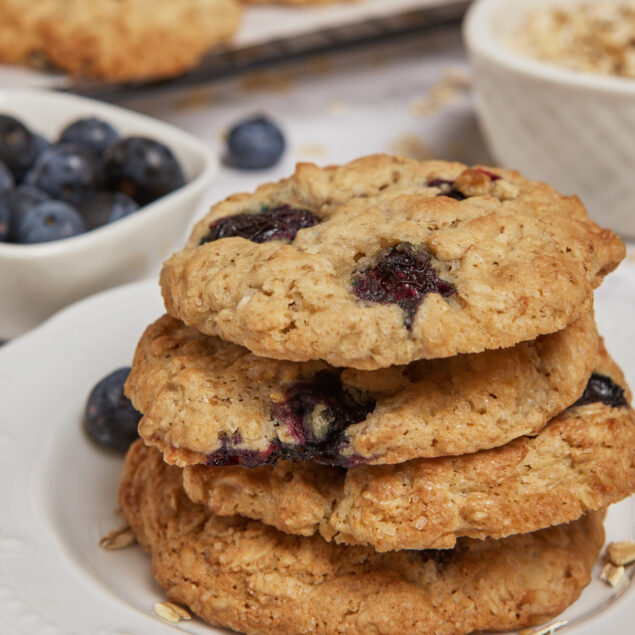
(379, 404)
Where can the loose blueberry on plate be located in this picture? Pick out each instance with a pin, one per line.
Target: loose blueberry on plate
(255, 144)
(68, 172)
(109, 417)
(47, 221)
(106, 207)
(143, 169)
(90, 132)
(7, 182)
(18, 146)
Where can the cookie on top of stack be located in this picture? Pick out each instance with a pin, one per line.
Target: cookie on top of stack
(379, 403)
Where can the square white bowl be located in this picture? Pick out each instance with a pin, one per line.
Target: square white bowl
(572, 129)
(37, 280)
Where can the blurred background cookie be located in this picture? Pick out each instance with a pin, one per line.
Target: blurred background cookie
(115, 39)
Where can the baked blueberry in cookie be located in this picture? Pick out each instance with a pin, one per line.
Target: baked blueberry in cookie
(447, 189)
(277, 223)
(227, 454)
(315, 413)
(455, 194)
(403, 275)
(602, 388)
(442, 558)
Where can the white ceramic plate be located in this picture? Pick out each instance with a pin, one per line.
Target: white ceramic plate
(58, 492)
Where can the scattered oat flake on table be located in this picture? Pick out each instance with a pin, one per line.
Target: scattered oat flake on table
(338, 106)
(615, 576)
(171, 612)
(410, 145)
(453, 83)
(119, 538)
(320, 65)
(312, 150)
(194, 99)
(621, 553)
(276, 81)
(544, 630)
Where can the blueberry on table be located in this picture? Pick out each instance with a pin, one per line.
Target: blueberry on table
(18, 146)
(68, 172)
(90, 132)
(7, 182)
(143, 169)
(20, 200)
(47, 221)
(109, 417)
(5, 216)
(106, 207)
(255, 144)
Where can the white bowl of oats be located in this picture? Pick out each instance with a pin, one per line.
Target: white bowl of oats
(555, 93)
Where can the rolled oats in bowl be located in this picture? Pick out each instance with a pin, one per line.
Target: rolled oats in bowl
(595, 37)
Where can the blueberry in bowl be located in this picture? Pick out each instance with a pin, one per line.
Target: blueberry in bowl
(142, 168)
(49, 275)
(95, 134)
(19, 200)
(47, 221)
(105, 207)
(7, 182)
(5, 216)
(72, 171)
(67, 172)
(18, 145)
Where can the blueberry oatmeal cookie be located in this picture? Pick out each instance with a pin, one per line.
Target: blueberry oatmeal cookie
(583, 460)
(87, 38)
(386, 260)
(210, 401)
(241, 574)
